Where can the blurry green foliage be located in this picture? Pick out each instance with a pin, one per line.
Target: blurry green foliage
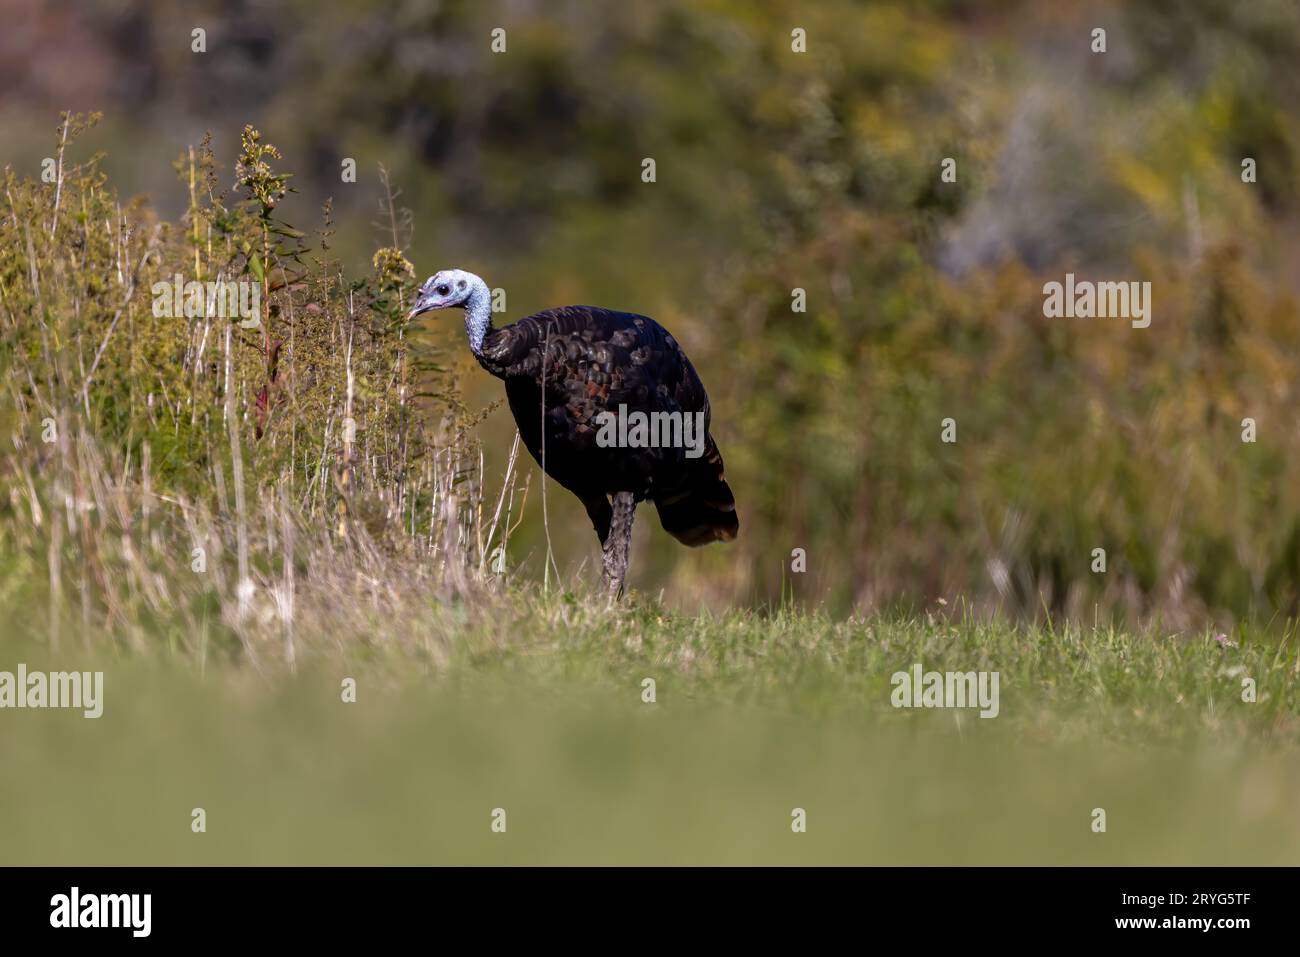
(779, 170)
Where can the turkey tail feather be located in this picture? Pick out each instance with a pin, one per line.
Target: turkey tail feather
(703, 510)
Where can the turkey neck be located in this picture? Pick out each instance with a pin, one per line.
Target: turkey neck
(478, 316)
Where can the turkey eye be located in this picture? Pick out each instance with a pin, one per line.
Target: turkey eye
(443, 290)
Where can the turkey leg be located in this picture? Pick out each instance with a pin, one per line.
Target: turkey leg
(618, 543)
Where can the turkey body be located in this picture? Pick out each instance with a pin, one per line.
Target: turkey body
(564, 367)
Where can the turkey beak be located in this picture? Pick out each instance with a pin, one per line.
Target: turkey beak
(422, 305)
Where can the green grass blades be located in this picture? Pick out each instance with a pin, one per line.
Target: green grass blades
(476, 717)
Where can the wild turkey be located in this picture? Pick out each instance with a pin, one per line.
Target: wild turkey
(563, 368)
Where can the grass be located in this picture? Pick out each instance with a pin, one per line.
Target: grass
(533, 703)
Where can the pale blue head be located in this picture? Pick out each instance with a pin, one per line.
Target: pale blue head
(452, 288)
